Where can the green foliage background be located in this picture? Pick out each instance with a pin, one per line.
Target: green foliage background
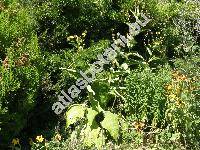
(38, 60)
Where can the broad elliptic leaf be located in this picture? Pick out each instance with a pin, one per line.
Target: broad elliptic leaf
(74, 113)
(111, 124)
(91, 116)
(92, 134)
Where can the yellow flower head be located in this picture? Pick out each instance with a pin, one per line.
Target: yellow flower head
(39, 138)
(15, 141)
(169, 87)
(58, 137)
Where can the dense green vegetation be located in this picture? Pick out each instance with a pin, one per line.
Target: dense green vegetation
(148, 96)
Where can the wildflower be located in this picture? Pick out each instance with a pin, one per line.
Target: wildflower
(15, 141)
(169, 87)
(58, 137)
(39, 138)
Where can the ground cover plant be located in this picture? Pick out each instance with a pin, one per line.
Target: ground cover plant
(147, 97)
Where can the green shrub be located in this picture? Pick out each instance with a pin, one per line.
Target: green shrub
(146, 100)
(44, 45)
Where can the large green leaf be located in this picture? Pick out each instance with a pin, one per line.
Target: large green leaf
(91, 116)
(74, 113)
(111, 124)
(93, 137)
(92, 134)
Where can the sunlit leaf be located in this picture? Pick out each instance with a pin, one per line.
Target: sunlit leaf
(74, 113)
(111, 124)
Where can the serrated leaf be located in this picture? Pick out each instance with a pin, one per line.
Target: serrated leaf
(111, 124)
(74, 113)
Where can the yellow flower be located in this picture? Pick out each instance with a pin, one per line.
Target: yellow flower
(58, 137)
(169, 87)
(15, 141)
(39, 138)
